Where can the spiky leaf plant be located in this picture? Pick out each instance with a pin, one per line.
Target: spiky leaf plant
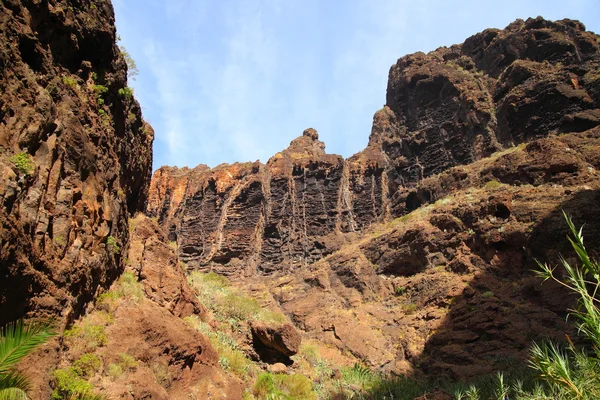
(17, 340)
(573, 373)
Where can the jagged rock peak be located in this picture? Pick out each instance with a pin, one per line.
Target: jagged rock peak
(307, 145)
(311, 133)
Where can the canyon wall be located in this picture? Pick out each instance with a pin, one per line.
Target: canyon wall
(450, 107)
(280, 215)
(75, 156)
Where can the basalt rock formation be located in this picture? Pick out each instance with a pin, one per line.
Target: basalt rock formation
(450, 107)
(288, 213)
(416, 253)
(75, 156)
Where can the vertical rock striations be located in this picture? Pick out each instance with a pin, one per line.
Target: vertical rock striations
(75, 155)
(275, 217)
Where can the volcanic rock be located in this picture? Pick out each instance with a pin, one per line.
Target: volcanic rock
(284, 338)
(75, 156)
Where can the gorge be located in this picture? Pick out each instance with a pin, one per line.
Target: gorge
(413, 257)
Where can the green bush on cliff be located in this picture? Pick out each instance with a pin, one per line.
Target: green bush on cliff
(132, 69)
(126, 92)
(281, 386)
(112, 245)
(70, 384)
(23, 163)
(215, 292)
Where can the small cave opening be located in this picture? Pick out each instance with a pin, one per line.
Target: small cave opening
(269, 355)
(502, 211)
(412, 202)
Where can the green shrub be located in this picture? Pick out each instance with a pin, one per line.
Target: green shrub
(239, 307)
(359, 375)
(267, 315)
(493, 184)
(130, 287)
(126, 92)
(87, 365)
(280, 386)
(69, 81)
(296, 386)
(132, 69)
(23, 163)
(488, 294)
(409, 308)
(127, 362)
(114, 371)
(70, 385)
(112, 245)
(162, 374)
(93, 336)
(265, 386)
(99, 89)
(209, 280)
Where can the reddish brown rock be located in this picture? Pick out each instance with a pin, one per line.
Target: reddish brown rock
(283, 338)
(75, 156)
(154, 262)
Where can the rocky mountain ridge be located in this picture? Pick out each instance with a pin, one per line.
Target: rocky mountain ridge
(450, 107)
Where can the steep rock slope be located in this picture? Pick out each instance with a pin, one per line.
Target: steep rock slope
(132, 341)
(450, 107)
(75, 155)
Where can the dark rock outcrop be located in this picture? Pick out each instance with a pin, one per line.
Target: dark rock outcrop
(244, 218)
(284, 339)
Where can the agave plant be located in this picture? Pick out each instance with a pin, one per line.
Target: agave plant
(17, 340)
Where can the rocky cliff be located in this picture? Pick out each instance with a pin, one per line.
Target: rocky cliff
(75, 155)
(75, 166)
(287, 213)
(453, 106)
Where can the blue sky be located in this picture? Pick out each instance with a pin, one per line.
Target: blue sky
(232, 80)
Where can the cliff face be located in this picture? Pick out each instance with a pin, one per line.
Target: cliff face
(287, 213)
(499, 88)
(75, 155)
(450, 107)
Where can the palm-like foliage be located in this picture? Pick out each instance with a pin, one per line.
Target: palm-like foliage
(17, 340)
